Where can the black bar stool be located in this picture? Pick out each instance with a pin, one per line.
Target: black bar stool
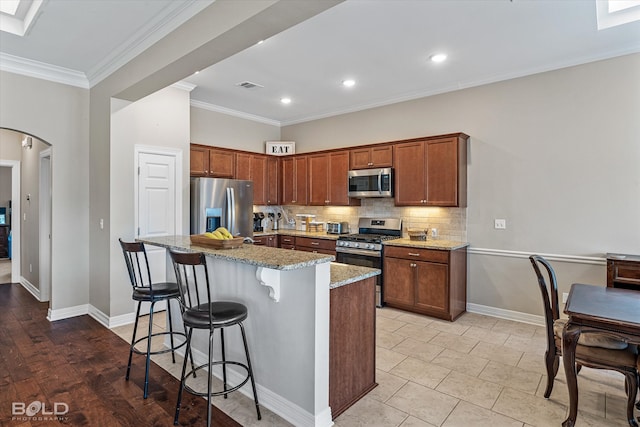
(144, 290)
(201, 312)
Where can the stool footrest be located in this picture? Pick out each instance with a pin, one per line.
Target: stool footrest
(217, 393)
(157, 334)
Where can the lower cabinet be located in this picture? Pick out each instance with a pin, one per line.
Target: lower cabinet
(286, 242)
(321, 246)
(426, 281)
(267, 240)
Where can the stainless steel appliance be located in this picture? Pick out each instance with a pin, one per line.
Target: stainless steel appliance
(371, 183)
(337, 227)
(257, 221)
(219, 202)
(366, 248)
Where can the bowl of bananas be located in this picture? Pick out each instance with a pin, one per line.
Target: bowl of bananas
(221, 238)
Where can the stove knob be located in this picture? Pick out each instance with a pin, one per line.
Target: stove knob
(370, 246)
(356, 245)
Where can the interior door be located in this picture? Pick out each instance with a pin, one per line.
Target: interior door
(156, 206)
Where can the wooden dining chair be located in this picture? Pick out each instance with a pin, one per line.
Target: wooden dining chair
(594, 350)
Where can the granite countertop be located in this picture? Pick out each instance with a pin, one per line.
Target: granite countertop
(261, 256)
(448, 245)
(343, 274)
(298, 233)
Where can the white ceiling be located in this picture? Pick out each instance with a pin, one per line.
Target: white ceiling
(383, 44)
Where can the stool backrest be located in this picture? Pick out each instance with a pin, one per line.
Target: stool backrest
(135, 257)
(191, 270)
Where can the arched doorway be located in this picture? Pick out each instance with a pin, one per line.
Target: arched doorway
(29, 209)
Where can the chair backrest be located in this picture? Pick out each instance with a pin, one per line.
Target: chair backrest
(192, 276)
(137, 262)
(549, 293)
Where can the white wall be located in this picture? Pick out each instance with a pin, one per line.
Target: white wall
(58, 114)
(555, 154)
(221, 130)
(160, 120)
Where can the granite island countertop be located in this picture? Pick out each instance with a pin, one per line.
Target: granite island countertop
(343, 274)
(447, 245)
(260, 256)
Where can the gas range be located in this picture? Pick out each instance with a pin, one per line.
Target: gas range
(371, 233)
(365, 248)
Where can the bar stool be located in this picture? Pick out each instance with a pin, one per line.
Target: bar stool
(201, 312)
(144, 290)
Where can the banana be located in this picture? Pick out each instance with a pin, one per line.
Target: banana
(225, 233)
(215, 235)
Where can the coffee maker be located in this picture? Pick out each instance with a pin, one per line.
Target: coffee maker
(257, 221)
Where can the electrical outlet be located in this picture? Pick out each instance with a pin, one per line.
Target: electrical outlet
(500, 224)
(565, 296)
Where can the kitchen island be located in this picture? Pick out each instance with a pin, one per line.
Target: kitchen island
(292, 309)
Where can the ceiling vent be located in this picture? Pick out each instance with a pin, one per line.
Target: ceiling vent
(249, 85)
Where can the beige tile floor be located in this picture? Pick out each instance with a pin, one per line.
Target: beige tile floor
(477, 371)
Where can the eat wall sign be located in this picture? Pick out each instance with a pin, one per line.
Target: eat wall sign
(280, 148)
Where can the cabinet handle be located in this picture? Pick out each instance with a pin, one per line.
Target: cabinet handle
(315, 252)
(412, 254)
(412, 265)
(315, 243)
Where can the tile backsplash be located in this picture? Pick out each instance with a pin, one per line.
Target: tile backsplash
(451, 223)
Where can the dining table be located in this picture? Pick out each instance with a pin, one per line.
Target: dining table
(594, 308)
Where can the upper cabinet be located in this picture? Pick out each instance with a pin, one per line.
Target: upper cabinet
(328, 180)
(264, 172)
(380, 156)
(294, 180)
(212, 162)
(431, 172)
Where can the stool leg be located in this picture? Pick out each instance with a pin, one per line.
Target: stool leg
(253, 382)
(133, 340)
(173, 352)
(182, 376)
(193, 366)
(148, 363)
(210, 374)
(224, 365)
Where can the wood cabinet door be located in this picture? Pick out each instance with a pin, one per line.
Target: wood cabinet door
(243, 166)
(382, 157)
(409, 164)
(259, 178)
(432, 286)
(318, 179)
(272, 190)
(399, 281)
(300, 180)
(360, 158)
(221, 163)
(199, 161)
(442, 172)
(338, 178)
(288, 181)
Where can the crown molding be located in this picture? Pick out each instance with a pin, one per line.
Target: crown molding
(164, 23)
(235, 113)
(41, 70)
(182, 85)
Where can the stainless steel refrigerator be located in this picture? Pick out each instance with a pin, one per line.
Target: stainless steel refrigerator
(219, 202)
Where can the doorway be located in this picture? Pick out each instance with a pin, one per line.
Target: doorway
(14, 218)
(44, 252)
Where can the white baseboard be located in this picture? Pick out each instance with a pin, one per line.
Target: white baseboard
(268, 399)
(123, 319)
(30, 288)
(65, 313)
(501, 313)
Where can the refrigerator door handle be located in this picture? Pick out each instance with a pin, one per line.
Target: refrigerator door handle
(231, 209)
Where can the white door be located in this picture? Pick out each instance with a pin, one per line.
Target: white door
(157, 207)
(45, 225)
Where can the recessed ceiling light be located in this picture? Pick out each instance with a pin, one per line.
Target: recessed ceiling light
(260, 42)
(197, 72)
(348, 83)
(438, 57)
(285, 100)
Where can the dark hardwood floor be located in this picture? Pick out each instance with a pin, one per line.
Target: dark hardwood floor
(80, 363)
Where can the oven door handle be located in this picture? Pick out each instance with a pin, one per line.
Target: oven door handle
(359, 252)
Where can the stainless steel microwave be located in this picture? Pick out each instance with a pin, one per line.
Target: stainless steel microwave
(371, 183)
